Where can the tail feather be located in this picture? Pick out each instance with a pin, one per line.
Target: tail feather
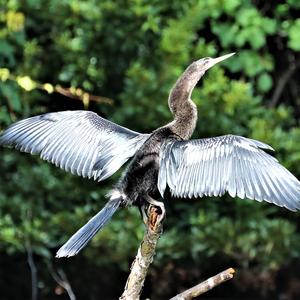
(79, 240)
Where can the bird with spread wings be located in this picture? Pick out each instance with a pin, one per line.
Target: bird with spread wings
(85, 144)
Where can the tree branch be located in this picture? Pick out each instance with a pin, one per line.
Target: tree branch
(28, 84)
(205, 286)
(33, 271)
(282, 83)
(144, 256)
(79, 94)
(61, 278)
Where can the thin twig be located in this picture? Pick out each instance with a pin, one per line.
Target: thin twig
(205, 286)
(61, 278)
(282, 83)
(79, 94)
(76, 93)
(33, 271)
(144, 257)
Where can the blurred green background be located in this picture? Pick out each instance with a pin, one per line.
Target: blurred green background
(132, 52)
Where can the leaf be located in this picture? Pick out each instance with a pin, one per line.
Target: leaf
(294, 35)
(264, 82)
(26, 83)
(9, 91)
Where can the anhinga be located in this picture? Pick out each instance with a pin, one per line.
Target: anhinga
(85, 144)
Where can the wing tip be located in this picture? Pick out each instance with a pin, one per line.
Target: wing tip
(260, 144)
(65, 252)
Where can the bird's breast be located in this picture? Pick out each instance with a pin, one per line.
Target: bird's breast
(141, 176)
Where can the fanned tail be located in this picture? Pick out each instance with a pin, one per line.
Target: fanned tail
(79, 240)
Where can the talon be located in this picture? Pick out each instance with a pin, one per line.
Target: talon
(152, 218)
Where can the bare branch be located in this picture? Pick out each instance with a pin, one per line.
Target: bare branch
(205, 286)
(282, 83)
(33, 271)
(79, 94)
(144, 256)
(62, 280)
(28, 84)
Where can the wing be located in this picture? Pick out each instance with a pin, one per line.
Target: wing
(233, 164)
(80, 142)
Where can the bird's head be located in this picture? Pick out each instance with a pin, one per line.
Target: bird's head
(182, 90)
(196, 70)
(206, 63)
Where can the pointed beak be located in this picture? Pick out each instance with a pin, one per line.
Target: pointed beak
(214, 61)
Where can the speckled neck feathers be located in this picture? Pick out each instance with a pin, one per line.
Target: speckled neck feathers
(181, 104)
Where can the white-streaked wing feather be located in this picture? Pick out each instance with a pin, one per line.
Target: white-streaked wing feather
(80, 142)
(229, 163)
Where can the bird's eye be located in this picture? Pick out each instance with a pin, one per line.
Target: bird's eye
(206, 60)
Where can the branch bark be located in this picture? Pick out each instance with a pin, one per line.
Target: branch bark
(205, 286)
(144, 257)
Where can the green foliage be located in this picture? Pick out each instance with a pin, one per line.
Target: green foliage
(294, 35)
(132, 52)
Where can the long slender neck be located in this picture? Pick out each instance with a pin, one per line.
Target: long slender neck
(181, 104)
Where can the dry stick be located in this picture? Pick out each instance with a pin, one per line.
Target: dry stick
(78, 94)
(143, 258)
(61, 278)
(205, 286)
(32, 266)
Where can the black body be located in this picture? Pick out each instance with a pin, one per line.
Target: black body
(140, 178)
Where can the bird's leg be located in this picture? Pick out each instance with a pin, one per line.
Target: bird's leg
(143, 211)
(159, 215)
(152, 212)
